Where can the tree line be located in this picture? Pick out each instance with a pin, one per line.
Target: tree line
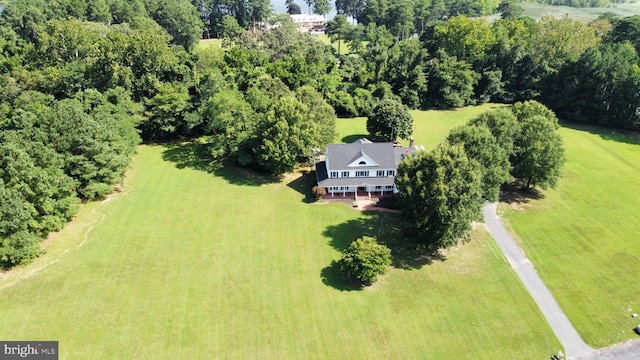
(586, 72)
(84, 81)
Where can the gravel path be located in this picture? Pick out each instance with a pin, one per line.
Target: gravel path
(574, 346)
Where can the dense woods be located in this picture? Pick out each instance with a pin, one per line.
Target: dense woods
(83, 82)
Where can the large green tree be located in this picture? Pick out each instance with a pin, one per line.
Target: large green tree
(480, 145)
(180, 19)
(464, 38)
(389, 120)
(539, 154)
(283, 135)
(503, 125)
(450, 82)
(560, 40)
(440, 194)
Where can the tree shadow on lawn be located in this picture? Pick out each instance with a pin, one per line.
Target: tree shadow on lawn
(619, 135)
(197, 156)
(388, 229)
(303, 184)
(514, 194)
(351, 138)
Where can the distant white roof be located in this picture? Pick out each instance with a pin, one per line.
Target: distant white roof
(305, 18)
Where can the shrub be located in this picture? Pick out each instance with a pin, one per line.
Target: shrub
(364, 260)
(319, 191)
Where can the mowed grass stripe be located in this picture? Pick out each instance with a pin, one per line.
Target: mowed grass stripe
(582, 237)
(430, 127)
(211, 264)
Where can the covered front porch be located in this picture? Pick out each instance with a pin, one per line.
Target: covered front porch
(359, 192)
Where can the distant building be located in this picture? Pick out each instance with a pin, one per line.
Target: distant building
(309, 23)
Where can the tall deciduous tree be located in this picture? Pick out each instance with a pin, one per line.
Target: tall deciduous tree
(337, 28)
(538, 149)
(350, 8)
(229, 120)
(180, 19)
(389, 120)
(440, 195)
(401, 16)
(283, 135)
(292, 7)
(466, 39)
(560, 40)
(480, 145)
(321, 7)
(503, 126)
(451, 82)
(320, 114)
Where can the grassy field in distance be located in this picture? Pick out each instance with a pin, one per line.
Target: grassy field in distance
(586, 14)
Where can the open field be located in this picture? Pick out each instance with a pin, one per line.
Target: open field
(583, 236)
(208, 44)
(196, 260)
(586, 14)
(344, 46)
(430, 127)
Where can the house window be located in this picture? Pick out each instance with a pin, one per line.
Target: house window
(362, 173)
(362, 162)
(345, 174)
(380, 173)
(334, 174)
(378, 187)
(390, 172)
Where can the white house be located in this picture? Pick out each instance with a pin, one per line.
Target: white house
(307, 22)
(360, 168)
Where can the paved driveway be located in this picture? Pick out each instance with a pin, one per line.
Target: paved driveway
(573, 344)
(626, 351)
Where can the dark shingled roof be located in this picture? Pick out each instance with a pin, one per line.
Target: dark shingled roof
(341, 155)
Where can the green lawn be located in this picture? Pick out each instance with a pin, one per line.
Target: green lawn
(583, 236)
(203, 261)
(209, 43)
(430, 127)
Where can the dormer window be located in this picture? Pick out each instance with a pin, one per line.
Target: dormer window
(334, 174)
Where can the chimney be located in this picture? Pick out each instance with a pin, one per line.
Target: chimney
(410, 143)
